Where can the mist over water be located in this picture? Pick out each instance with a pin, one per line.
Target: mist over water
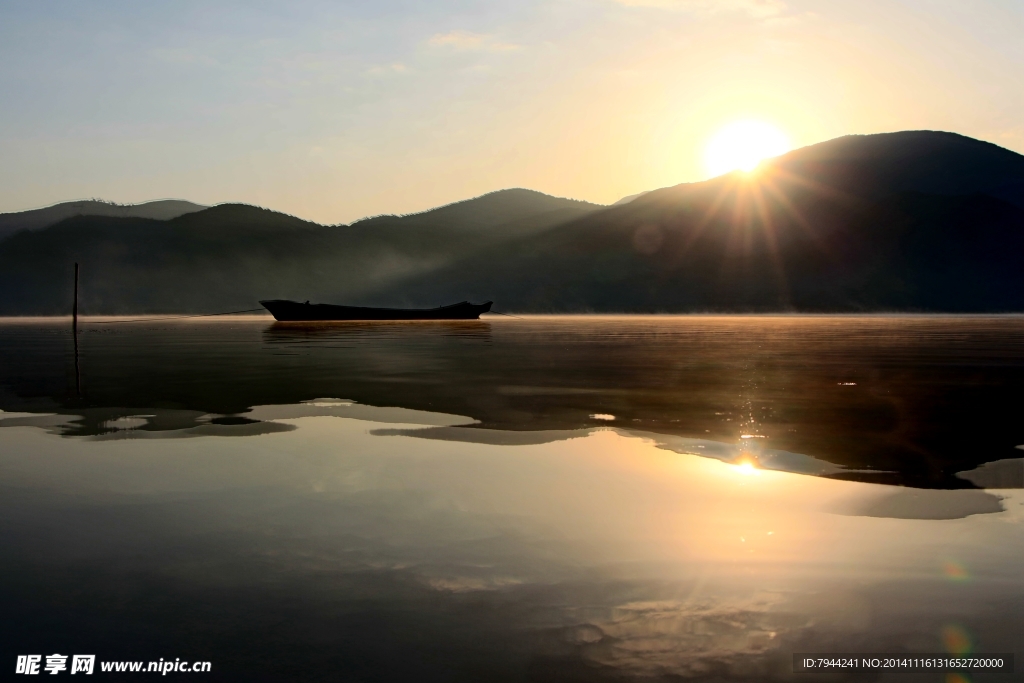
(559, 498)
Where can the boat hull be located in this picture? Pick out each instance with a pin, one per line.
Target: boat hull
(294, 311)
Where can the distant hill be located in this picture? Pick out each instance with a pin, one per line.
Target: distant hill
(162, 210)
(875, 166)
(911, 221)
(629, 198)
(229, 256)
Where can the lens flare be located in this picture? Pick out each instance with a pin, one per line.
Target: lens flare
(956, 639)
(955, 571)
(742, 145)
(747, 468)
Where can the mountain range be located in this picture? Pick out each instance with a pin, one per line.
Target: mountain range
(34, 219)
(909, 221)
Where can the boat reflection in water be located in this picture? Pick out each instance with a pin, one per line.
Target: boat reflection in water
(288, 334)
(547, 499)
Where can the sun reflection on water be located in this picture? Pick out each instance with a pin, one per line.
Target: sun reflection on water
(747, 468)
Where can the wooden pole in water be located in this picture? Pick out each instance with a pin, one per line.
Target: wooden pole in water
(74, 310)
(74, 332)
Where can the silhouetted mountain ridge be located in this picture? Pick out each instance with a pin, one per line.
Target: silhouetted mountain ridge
(902, 221)
(35, 219)
(919, 220)
(228, 256)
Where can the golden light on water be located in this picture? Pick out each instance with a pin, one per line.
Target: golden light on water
(742, 145)
(747, 468)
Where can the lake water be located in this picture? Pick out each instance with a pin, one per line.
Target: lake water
(536, 499)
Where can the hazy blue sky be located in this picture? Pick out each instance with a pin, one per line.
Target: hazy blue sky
(336, 110)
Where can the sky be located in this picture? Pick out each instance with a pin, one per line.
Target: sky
(333, 111)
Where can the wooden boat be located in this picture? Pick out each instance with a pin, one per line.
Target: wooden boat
(293, 311)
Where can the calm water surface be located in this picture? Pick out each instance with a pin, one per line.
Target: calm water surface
(539, 499)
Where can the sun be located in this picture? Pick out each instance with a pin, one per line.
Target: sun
(742, 145)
